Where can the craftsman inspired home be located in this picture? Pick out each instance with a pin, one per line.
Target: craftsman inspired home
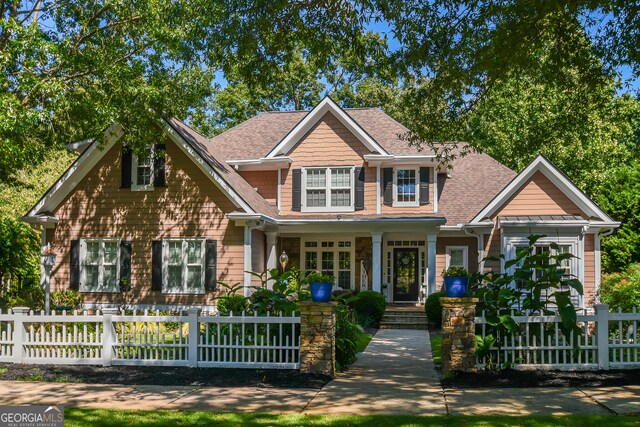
(331, 189)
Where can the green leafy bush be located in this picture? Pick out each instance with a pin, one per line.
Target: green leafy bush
(369, 307)
(433, 308)
(348, 334)
(455, 272)
(31, 296)
(319, 278)
(232, 301)
(66, 298)
(621, 290)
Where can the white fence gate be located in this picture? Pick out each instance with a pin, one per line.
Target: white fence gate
(608, 341)
(150, 339)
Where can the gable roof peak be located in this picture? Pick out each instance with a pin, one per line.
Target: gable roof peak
(327, 105)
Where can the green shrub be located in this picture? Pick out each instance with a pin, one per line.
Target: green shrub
(235, 303)
(621, 290)
(32, 297)
(66, 298)
(433, 308)
(348, 335)
(455, 272)
(369, 307)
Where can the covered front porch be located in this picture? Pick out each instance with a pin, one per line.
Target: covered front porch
(396, 257)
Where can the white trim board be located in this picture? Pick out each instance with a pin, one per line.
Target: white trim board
(326, 105)
(548, 169)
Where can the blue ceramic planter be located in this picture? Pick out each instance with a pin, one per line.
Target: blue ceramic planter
(321, 292)
(455, 286)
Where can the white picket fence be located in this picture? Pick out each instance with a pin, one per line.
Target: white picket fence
(150, 339)
(608, 341)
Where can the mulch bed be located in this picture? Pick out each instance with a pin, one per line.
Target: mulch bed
(513, 378)
(154, 375)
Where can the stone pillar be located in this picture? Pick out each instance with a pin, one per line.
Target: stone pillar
(318, 338)
(458, 334)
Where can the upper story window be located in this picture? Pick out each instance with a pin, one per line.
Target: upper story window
(142, 171)
(328, 189)
(405, 187)
(99, 265)
(183, 266)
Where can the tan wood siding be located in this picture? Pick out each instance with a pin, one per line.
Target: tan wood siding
(589, 269)
(441, 245)
(190, 206)
(492, 249)
(540, 196)
(264, 182)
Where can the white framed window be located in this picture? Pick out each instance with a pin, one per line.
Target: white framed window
(100, 265)
(457, 256)
(328, 189)
(142, 171)
(183, 266)
(332, 257)
(405, 187)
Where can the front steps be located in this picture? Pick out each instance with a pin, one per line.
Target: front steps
(398, 316)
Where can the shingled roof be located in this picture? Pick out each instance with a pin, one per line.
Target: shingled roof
(257, 136)
(474, 181)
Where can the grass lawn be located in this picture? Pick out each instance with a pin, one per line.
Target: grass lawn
(436, 348)
(104, 417)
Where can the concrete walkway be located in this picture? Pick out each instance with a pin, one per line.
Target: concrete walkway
(395, 375)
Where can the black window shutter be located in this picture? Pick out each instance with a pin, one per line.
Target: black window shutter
(159, 162)
(359, 196)
(126, 168)
(424, 186)
(296, 196)
(125, 261)
(156, 265)
(211, 261)
(387, 185)
(74, 273)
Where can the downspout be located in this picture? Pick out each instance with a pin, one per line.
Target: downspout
(480, 247)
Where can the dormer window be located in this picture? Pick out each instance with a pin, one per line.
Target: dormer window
(142, 171)
(328, 189)
(405, 185)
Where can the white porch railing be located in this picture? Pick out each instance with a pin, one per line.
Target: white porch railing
(608, 340)
(150, 339)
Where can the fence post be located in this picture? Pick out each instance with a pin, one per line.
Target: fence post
(108, 335)
(19, 333)
(602, 335)
(193, 336)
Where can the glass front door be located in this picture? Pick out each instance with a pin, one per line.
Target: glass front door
(406, 274)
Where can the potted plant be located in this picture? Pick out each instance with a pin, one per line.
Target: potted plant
(320, 286)
(456, 280)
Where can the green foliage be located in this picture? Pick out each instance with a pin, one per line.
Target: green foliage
(433, 308)
(316, 277)
(621, 290)
(541, 286)
(66, 298)
(369, 307)
(231, 301)
(455, 272)
(31, 296)
(348, 335)
(19, 254)
(620, 197)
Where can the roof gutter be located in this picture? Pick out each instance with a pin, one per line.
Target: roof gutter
(388, 159)
(263, 163)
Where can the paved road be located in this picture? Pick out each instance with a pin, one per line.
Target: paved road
(395, 375)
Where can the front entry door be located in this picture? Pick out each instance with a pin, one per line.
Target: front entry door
(405, 274)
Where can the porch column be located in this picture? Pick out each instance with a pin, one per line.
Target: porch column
(376, 264)
(247, 260)
(431, 262)
(271, 249)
